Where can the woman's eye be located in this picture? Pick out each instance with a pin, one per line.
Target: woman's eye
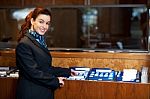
(40, 21)
(48, 23)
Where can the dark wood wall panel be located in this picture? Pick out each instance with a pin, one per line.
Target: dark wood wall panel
(133, 1)
(11, 3)
(69, 2)
(37, 2)
(101, 2)
(28, 3)
(65, 32)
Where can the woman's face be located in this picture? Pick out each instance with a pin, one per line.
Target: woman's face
(40, 24)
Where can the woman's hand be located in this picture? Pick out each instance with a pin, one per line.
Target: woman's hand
(61, 81)
(73, 73)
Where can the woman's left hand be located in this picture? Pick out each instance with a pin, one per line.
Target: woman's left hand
(73, 73)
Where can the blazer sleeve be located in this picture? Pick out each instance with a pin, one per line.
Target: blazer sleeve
(61, 72)
(28, 68)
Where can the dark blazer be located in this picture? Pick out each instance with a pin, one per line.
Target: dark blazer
(37, 77)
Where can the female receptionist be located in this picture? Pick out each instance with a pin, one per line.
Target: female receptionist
(38, 79)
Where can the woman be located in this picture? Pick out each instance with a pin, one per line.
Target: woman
(37, 78)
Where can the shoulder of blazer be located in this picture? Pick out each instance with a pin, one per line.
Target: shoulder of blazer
(33, 40)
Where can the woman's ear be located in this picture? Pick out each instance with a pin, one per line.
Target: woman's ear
(32, 21)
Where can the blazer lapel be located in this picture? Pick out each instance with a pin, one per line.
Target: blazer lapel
(36, 43)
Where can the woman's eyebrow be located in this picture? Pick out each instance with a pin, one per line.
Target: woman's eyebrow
(41, 19)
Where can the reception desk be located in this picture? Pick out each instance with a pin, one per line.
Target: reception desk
(77, 89)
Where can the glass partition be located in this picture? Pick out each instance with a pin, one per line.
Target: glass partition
(100, 28)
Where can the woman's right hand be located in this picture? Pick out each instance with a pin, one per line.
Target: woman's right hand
(61, 81)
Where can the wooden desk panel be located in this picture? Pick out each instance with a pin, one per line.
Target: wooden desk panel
(103, 90)
(133, 91)
(75, 89)
(8, 88)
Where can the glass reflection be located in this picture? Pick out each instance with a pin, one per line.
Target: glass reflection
(123, 28)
